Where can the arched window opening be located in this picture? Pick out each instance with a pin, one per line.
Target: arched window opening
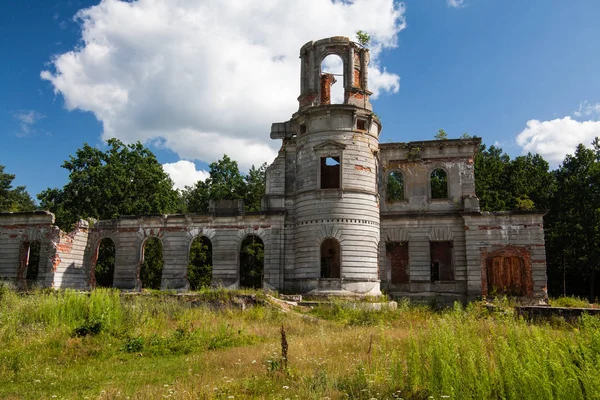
(506, 276)
(330, 259)
(252, 255)
(439, 184)
(104, 270)
(152, 264)
(332, 80)
(199, 273)
(395, 186)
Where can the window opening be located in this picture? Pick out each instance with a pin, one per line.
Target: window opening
(302, 128)
(397, 257)
(361, 124)
(330, 259)
(252, 255)
(439, 184)
(395, 186)
(441, 261)
(104, 270)
(199, 272)
(330, 172)
(152, 264)
(332, 72)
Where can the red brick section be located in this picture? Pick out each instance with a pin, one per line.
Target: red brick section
(93, 262)
(356, 78)
(326, 81)
(397, 254)
(506, 270)
(362, 168)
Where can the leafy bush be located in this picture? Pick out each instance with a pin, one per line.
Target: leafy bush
(570, 302)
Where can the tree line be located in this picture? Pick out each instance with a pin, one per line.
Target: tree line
(127, 179)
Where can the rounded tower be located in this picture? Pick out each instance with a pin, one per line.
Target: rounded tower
(336, 205)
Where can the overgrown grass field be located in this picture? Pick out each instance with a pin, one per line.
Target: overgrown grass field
(109, 345)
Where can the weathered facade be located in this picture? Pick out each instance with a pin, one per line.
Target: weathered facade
(342, 214)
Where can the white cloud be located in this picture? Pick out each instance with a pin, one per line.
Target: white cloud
(455, 3)
(208, 77)
(554, 139)
(27, 119)
(184, 173)
(588, 110)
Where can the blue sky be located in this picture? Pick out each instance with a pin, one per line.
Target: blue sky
(209, 77)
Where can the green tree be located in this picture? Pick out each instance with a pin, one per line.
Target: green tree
(363, 38)
(439, 184)
(395, 186)
(13, 199)
(255, 187)
(225, 182)
(573, 223)
(123, 180)
(529, 182)
(441, 135)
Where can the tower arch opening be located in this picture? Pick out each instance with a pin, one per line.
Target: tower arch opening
(332, 80)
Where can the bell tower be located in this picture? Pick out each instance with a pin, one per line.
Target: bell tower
(336, 205)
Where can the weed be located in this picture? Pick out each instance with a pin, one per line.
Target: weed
(133, 344)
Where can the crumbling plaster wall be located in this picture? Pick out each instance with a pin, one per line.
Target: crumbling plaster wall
(489, 232)
(419, 231)
(61, 254)
(416, 161)
(177, 232)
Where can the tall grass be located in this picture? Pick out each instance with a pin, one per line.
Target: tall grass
(106, 344)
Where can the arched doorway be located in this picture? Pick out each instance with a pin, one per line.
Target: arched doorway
(199, 273)
(104, 270)
(151, 265)
(252, 255)
(330, 259)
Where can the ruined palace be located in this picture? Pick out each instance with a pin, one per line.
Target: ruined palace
(342, 214)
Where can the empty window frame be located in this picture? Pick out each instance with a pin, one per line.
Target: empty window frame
(361, 124)
(439, 184)
(395, 187)
(330, 172)
(442, 268)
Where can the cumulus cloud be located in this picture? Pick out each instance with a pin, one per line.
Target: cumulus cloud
(184, 173)
(455, 3)
(208, 77)
(554, 139)
(27, 119)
